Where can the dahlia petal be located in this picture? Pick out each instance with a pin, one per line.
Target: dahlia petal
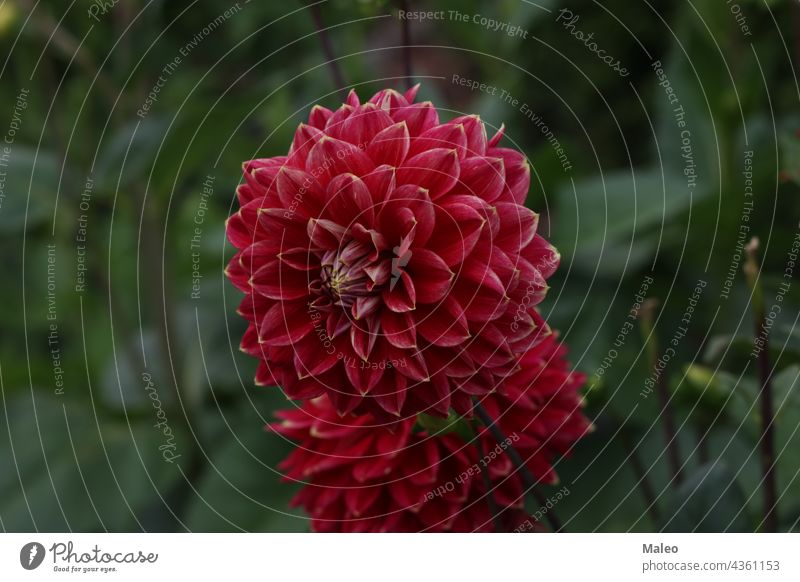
(352, 99)
(542, 255)
(476, 385)
(253, 307)
(371, 238)
(420, 117)
(426, 469)
(260, 173)
(363, 340)
(437, 394)
(245, 193)
(278, 281)
(505, 269)
(240, 227)
(372, 468)
(457, 365)
(478, 268)
(358, 501)
(362, 376)
(297, 258)
(312, 358)
(344, 402)
(299, 191)
(364, 124)
(319, 116)
(349, 200)
(407, 209)
(378, 273)
(403, 296)
(238, 275)
(517, 226)
(338, 322)
(363, 307)
(481, 303)
(284, 324)
(305, 138)
(389, 100)
(448, 136)
(483, 177)
(325, 234)
(256, 255)
(518, 173)
(380, 182)
(458, 228)
(444, 326)
(431, 275)
(264, 376)
(391, 395)
(399, 329)
(497, 136)
(330, 157)
(390, 146)
(414, 367)
(461, 403)
(436, 170)
(249, 344)
(411, 93)
(285, 228)
(475, 132)
(333, 127)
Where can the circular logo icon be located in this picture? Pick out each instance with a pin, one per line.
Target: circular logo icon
(31, 555)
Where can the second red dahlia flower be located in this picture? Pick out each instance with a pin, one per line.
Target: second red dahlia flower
(362, 477)
(388, 261)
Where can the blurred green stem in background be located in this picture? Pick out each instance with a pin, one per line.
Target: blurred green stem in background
(527, 478)
(667, 414)
(766, 405)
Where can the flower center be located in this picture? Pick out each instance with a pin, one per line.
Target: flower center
(347, 274)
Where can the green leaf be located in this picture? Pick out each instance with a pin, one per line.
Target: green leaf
(611, 222)
(67, 474)
(242, 488)
(710, 500)
(127, 158)
(31, 180)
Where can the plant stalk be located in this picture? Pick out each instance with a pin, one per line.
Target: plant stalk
(527, 478)
(766, 397)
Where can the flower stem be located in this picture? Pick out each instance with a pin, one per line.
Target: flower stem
(751, 271)
(406, 33)
(327, 49)
(667, 414)
(527, 478)
(490, 500)
(645, 486)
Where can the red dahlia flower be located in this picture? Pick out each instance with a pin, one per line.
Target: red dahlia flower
(359, 477)
(388, 260)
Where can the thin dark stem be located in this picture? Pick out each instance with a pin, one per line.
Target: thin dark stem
(667, 413)
(327, 49)
(766, 399)
(406, 32)
(646, 488)
(703, 453)
(494, 510)
(527, 478)
(796, 32)
(767, 438)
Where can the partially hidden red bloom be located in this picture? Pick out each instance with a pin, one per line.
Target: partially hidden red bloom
(388, 260)
(367, 478)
